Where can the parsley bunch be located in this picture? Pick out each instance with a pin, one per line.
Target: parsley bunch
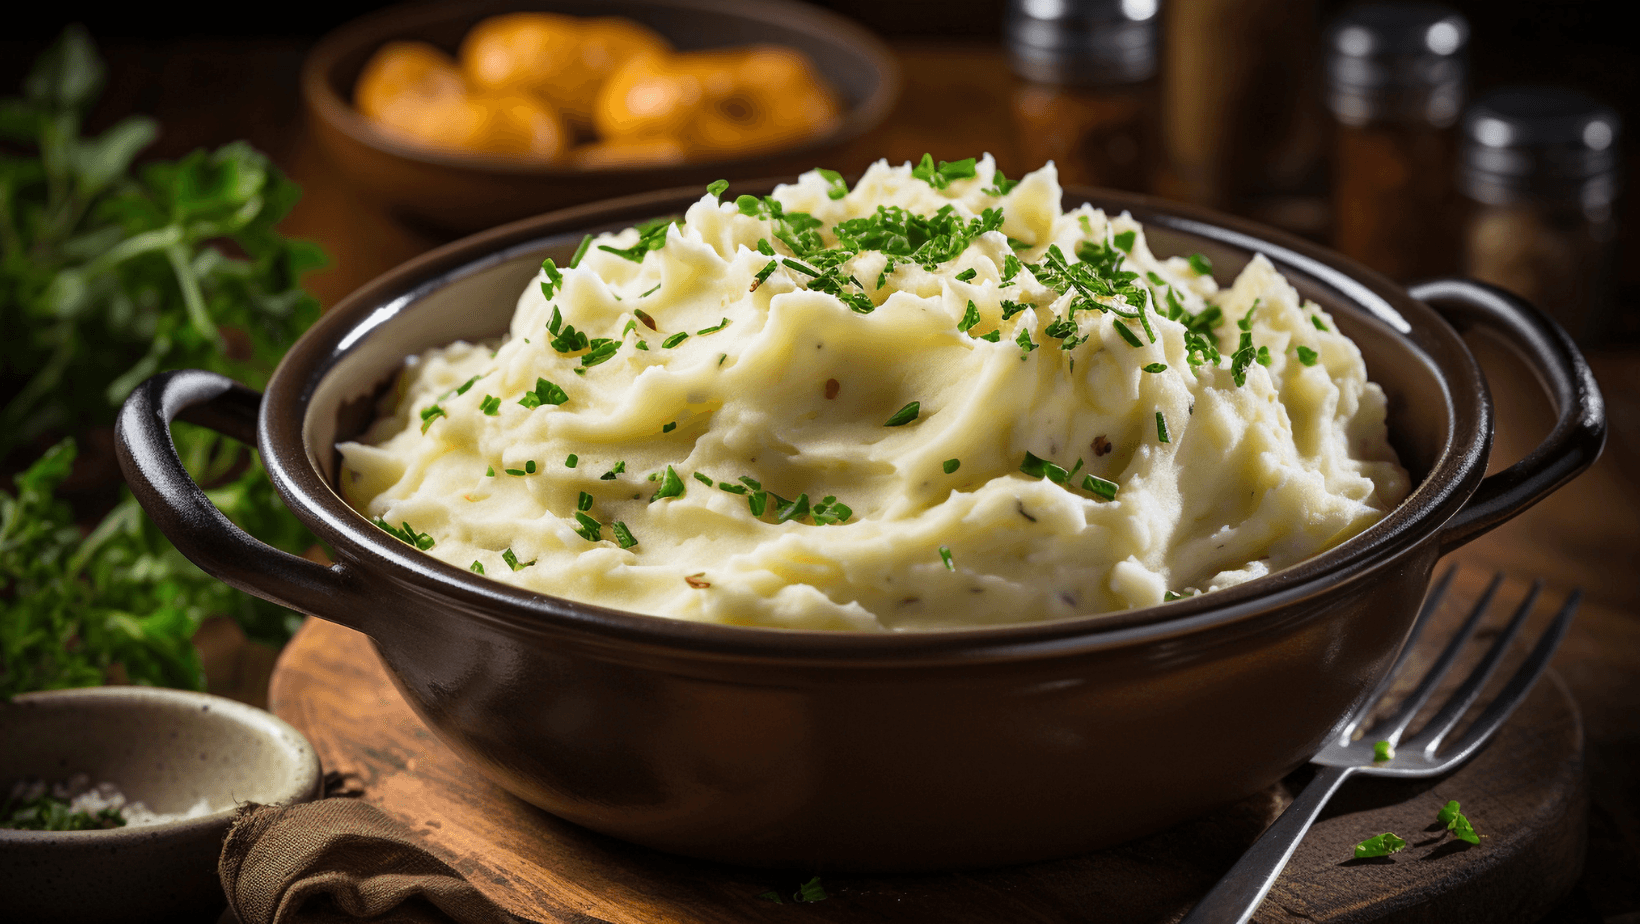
(109, 274)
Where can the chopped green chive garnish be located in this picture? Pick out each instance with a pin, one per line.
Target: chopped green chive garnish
(489, 472)
(945, 556)
(704, 479)
(430, 414)
(1041, 468)
(716, 188)
(1382, 751)
(1381, 846)
(1093, 484)
(1124, 241)
(545, 393)
(651, 236)
(1127, 334)
(512, 561)
(610, 475)
(529, 466)
(731, 488)
(652, 290)
(476, 567)
(490, 405)
(1457, 823)
(970, 317)
(1170, 596)
(584, 501)
(671, 486)
(764, 273)
(951, 465)
(1316, 320)
(758, 501)
(714, 329)
(555, 323)
(793, 510)
(674, 340)
(581, 251)
(571, 460)
(1201, 265)
(1155, 367)
(967, 274)
(462, 388)
(669, 427)
(407, 534)
(1307, 356)
(602, 349)
(764, 247)
(555, 279)
(836, 188)
(590, 530)
(623, 536)
(1161, 428)
(940, 177)
(904, 415)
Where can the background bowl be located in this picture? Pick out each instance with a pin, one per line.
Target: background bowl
(165, 748)
(461, 193)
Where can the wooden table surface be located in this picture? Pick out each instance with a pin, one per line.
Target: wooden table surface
(956, 104)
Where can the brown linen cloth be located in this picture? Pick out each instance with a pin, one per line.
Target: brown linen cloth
(341, 861)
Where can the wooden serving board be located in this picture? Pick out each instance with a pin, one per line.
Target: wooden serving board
(1525, 794)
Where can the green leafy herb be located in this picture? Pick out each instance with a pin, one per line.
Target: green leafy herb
(731, 488)
(651, 236)
(1124, 241)
(406, 534)
(713, 329)
(1024, 341)
(945, 556)
(1170, 596)
(1382, 751)
(1127, 334)
(651, 290)
(430, 414)
(584, 501)
(1155, 367)
(951, 465)
(970, 317)
(811, 891)
(610, 475)
(554, 280)
(1307, 356)
(1456, 823)
(1042, 468)
(545, 393)
(571, 460)
(623, 536)
(1381, 846)
(49, 813)
(830, 512)
(1010, 268)
(704, 479)
(590, 530)
(1009, 309)
(674, 340)
(836, 188)
(477, 567)
(489, 472)
(669, 426)
(1093, 484)
(1201, 265)
(1002, 186)
(904, 415)
(602, 350)
(940, 177)
(671, 486)
(716, 188)
(581, 251)
(508, 556)
(1161, 428)
(490, 405)
(793, 510)
(1316, 320)
(967, 274)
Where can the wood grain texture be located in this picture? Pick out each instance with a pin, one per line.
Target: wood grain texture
(1524, 793)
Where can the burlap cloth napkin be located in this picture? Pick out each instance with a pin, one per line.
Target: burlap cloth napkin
(341, 861)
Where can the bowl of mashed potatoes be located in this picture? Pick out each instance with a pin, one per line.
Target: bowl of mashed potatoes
(931, 520)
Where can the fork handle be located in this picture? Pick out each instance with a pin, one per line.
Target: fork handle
(1240, 890)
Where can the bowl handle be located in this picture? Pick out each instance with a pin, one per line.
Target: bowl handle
(1580, 412)
(142, 440)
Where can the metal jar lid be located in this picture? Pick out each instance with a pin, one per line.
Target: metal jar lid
(1086, 43)
(1544, 142)
(1397, 62)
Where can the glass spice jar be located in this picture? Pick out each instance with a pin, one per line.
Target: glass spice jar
(1395, 86)
(1540, 166)
(1088, 91)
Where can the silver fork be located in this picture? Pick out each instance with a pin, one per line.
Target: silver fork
(1240, 891)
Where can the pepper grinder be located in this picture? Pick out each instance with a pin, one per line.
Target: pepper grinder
(1088, 87)
(1395, 86)
(1541, 168)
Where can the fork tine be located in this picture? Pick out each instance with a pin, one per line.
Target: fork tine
(1518, 686)
(1426, 615)
(1396, 724)
(1440, 725)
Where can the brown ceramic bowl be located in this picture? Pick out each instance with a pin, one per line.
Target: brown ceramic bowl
(463, 193)
(167, 749)
(921, 750)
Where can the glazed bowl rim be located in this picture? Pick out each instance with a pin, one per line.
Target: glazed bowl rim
(281, 734)
(382, 25)
(1454, 471)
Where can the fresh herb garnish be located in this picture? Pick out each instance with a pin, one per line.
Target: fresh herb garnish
(674, 340)
(830, 512)
(583, 501)
(545, 393)
(490, 405)
(1161, 428)
(945, 556)
(967, 274)
(1316, 320)
(940, 177)
(716, 188)
(1200, 264)
(651, 290)
(1127, 334)
(1024, 341)
(793, 510)
(1093, 484)
(1381, 846)
(1124, 241)
(713, 329)
(554, 280)
(836, 188)
(623, 536)
(651, 236)
(1155, 367)
(970, 317)
(1456, 823)
(49, 813)
(671, 486)
(581, 251)
(951, 465)
(669, 426)
(430, 414)
(610, 475)
(590, 530)
(406, 534)
(1307, 356)
(1002, 186)
(571, 460)
(904, 415)
(1382, 751)
(508, 556)
(477, 567)
(704, 479)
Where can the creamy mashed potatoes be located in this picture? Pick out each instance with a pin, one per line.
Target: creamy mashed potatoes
(821, 411)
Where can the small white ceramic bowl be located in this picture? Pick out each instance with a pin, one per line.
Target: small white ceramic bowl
(165, 748)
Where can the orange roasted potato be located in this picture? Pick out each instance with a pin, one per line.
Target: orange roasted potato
(718, 103)
(405, 71)
(560, 58)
